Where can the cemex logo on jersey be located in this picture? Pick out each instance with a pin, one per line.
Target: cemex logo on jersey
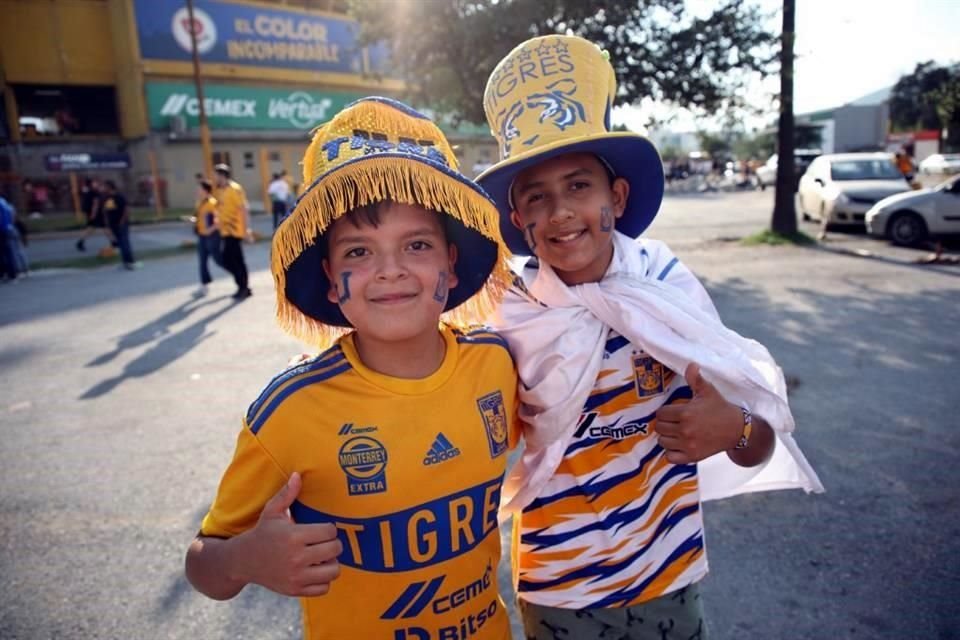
(419, 595)
(470, 622)
(615, 430)
(440, 451)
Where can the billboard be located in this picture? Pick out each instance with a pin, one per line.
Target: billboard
(238, 107)
(232, 33)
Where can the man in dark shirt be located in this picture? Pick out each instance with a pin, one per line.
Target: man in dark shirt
(114, 207)
(90, 200)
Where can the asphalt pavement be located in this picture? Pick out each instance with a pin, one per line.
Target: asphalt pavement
(122, 394)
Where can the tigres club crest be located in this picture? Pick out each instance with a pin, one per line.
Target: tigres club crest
(495, 421)
(651, 376)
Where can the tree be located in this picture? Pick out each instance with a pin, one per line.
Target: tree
(717, 145)
(913, 100)
(947, 100)
(784, 209)
(447, 50)
(757, 146)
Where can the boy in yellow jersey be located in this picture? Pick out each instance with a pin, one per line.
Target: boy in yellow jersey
(366, 481)
(629, 377)
(208, 233)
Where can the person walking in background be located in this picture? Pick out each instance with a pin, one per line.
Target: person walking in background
(208, 233)
(292, 198)
(90, 200)
(117, 216)
(233, 222)
(906, 165)
(279, 192)
(14, 259)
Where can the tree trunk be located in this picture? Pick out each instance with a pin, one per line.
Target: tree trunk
(784, 208)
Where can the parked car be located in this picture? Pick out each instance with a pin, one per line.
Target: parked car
(767, 172)
(941, 163)
(841, 187)
(909, 218)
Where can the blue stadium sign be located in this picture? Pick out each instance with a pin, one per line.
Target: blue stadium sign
(233, 33)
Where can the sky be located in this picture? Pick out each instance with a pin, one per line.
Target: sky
(845, 49)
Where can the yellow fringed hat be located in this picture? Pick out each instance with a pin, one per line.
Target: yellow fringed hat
(553, 95)
(379, 149)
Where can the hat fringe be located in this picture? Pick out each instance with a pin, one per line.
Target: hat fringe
(376, 179)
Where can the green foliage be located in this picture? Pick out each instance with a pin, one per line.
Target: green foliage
(947, 102)
(670, 153)
(758, 146)
(446, 50)
(773, 238)
(927, 99)
(716, 145)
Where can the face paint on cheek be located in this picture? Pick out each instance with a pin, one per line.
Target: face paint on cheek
(606, 219)
(440, 294)
(528, 233)
(344, 287)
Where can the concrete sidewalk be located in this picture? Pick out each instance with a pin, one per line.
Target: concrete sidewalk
(61, 245)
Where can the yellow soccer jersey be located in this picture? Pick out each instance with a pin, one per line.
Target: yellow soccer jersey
(232, 199)
(409, 471)
(206, 215)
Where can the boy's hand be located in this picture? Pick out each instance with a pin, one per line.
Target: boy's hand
(289, 558)
(705, 425)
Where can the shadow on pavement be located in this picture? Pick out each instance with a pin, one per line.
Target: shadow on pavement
(877, 421)
(164, 352)
(154, 329)
(865, 254)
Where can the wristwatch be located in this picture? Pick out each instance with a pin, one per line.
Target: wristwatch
(747, 429)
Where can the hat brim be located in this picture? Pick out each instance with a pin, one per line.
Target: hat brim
(307, 285)
(631, 157)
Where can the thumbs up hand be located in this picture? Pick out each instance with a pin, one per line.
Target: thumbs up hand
(701, 427)
(289, 558)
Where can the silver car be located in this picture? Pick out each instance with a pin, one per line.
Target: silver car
(909, 218)
(841, 187)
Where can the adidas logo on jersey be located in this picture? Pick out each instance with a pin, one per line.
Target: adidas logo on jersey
(440, 450)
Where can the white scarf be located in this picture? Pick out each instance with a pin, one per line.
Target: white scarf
(558, 334)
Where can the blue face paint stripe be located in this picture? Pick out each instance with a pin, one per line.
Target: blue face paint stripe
(344, 287)
(531, 240)
(440, 293)
(606, 219)
(291, 388)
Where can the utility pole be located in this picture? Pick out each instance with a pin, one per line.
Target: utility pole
(204, 128)
(784, 209)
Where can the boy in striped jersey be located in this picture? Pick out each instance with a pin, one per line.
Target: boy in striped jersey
(629, 377)
(366, 481)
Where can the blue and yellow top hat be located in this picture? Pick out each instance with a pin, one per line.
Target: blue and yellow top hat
(553, 95)
(379, 149)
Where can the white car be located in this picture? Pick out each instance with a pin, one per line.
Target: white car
(839, 188)
(941, 163)
(909, 218)
(767, 172)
